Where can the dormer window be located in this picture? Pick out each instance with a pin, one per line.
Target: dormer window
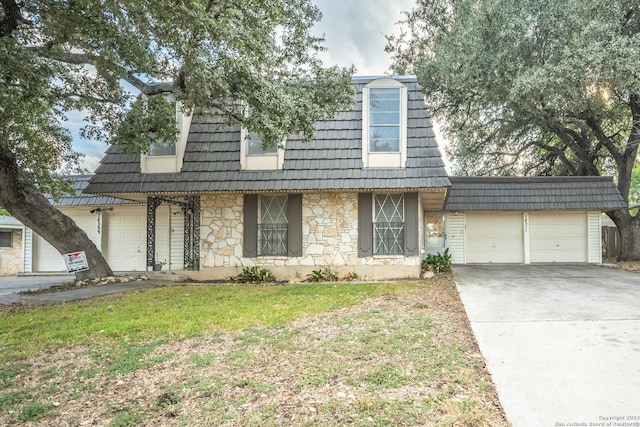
(384, 121)
(164, 156)
(254, 156)
(255, 147)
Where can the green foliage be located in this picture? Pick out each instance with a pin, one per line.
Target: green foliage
(4, 212)
(322, 275)
(529, 87)
(76, 57)
(126, 418)
(634, 190)
(180, 311)
(253, 275)
(438, 263)
(127, 358)
(350, 277)
(33, 411)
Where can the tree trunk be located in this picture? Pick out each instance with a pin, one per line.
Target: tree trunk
(629, 230)
(24, 201)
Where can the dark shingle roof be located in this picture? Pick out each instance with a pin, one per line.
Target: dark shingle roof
(80, 183)
(533, 193)
(333, 161)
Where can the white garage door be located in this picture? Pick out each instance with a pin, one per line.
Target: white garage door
(494, 237)
(558, 237)
(125, 238)
(46, 258)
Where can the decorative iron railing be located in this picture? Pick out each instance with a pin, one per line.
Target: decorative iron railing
(388, 238)
(272, 239)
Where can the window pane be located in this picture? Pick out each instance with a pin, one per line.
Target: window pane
(384, 139)
(273, 227)
(162, 149)
(392, 93)
(273, 209)
(272, 239)
(5, 239)
(254, 144)
(388, 224)
(384, 120)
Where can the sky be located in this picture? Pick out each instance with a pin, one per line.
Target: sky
(354, 35)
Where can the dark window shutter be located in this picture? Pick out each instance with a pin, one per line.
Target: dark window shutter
(250, 240)
(294, 217)
(365, 224)
(411, 232)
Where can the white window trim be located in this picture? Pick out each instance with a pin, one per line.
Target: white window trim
(170, 163)
(384, 160)
(267, 161)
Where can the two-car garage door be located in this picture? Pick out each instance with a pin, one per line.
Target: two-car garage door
(505, 237)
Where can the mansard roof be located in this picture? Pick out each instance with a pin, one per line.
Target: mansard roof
(331, 162)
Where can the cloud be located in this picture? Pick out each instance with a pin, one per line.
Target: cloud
(354, 32)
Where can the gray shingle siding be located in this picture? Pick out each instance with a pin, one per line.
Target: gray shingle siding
(332, 161)
(533, 193)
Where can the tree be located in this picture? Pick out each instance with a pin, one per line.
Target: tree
(58, 56)
(545, 87)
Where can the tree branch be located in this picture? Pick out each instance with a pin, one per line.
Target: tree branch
(12, 18)
(148, 88)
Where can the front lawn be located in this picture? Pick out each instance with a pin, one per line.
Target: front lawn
(343, 354)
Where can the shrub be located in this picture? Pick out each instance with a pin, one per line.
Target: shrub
(323, 275)
(351, 276)
(253, 275)
(437, 263)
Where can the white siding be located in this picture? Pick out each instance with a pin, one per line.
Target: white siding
(455, 237)
(27, 250)
(594, 237)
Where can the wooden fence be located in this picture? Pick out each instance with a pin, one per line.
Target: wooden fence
(610, 242)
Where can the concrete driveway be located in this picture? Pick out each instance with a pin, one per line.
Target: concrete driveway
(11, 285)
(562, 342)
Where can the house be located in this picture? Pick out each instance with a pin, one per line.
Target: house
(369, 195)
(116, 226)
(11, 232)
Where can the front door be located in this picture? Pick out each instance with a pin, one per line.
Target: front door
(435, 233)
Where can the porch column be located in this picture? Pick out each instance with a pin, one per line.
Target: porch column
(191, 209)
(152, 205)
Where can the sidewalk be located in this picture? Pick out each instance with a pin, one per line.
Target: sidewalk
(63, 297)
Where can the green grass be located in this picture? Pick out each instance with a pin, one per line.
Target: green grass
(250, 359)
(173, 312)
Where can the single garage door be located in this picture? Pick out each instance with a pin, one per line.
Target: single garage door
(494, 237)
(125, 239)
(558, 237)
(46, 258)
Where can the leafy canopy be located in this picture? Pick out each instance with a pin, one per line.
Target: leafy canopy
(546, 87)
(59, 56)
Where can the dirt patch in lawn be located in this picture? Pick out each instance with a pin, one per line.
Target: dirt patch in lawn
(407, 360)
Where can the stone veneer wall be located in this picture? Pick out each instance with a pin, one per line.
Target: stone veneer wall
(11, 258)
(330, 239)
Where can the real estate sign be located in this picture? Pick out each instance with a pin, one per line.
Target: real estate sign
(76, 261)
